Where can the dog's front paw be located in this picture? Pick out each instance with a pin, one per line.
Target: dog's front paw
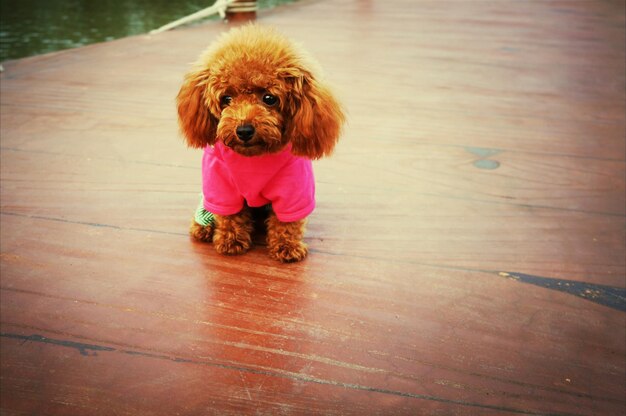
(230, 244)
(232, 234)
(288, 251)
(284, 240)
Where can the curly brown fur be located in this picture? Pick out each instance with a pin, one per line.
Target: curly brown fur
(253, 76)
(233, 233)
(201, 232)
(245, 64)
(284, 239)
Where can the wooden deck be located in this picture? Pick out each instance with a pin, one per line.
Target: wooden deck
(467, 252)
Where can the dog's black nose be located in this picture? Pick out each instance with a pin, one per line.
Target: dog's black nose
(245, 132)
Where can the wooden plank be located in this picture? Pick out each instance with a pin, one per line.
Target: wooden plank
(513, 205)
(290, 322)
(482, 166)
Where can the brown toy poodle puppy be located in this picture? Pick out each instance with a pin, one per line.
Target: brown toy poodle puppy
(254, 102)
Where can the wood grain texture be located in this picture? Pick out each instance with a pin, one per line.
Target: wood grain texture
(482, 166)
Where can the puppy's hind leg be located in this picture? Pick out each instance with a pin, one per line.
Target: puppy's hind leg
(233, 233)
(201, 232)
(202, 224)
(284, 240)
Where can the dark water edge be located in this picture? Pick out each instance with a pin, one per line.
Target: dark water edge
(33, 27)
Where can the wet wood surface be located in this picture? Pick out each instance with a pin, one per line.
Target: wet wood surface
(467, 251)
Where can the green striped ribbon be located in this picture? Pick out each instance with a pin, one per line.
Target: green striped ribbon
(203, 217)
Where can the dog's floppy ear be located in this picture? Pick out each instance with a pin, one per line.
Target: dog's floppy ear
(196, 122)
(316, 118)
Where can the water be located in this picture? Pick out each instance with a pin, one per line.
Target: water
(32, 27)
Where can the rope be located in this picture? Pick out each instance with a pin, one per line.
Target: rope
(219, 7)
(242, 6)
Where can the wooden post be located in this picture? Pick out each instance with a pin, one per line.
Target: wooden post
(241, 11)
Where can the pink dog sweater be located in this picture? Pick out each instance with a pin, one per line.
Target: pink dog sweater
(281, 179)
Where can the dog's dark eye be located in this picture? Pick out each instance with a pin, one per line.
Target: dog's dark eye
(269, 99)
(225, 100)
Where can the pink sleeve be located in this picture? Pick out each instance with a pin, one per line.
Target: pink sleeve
(220, 194)
(293, 191)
